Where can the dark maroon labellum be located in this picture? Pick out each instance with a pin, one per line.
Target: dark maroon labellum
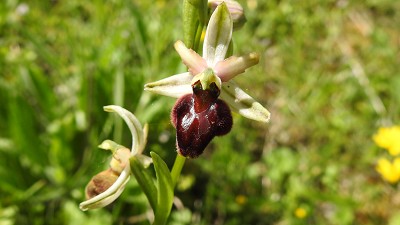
(198, 118)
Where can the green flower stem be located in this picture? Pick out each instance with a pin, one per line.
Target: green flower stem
(177, 168)
(190, 21)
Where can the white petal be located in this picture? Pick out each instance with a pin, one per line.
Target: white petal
(134, 126)
(218, 35)
(174, 86)
(243, 103)
(110, 194)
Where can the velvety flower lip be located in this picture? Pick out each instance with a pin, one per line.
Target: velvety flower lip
(200, 116)
(216, 43)
(108, 185)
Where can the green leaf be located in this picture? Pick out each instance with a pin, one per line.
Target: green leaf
(145, 181)
(165, 190)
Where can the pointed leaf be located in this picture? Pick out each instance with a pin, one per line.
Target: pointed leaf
(165, 189)
(243, 103)
(145, 181)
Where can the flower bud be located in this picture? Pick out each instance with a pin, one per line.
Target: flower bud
(100, 183)
(108, 185)
(235, 9)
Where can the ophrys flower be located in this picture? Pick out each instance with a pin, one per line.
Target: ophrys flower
(108, 185)
(209, 76)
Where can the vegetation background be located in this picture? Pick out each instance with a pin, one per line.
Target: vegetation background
(329, 73)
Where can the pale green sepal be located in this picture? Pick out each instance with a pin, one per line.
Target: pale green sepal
(243, 103)
(218, 35)
(110, 194)
(174, 86)
(134, 126)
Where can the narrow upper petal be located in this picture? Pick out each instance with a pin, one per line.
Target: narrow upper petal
(234, 65)
(190, 58)
(174, 86)
(134, 126)
(243, 103)
(218, 35)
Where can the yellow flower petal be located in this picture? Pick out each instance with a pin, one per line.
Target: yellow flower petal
(388, 138)
(300, 213)
(389, 171)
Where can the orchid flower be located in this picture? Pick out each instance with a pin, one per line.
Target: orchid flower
(108, 185)
(216, 43)
(206, 93)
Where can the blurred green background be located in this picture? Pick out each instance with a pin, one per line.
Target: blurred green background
(329, 73)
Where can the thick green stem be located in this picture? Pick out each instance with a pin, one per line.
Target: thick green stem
(177, 168)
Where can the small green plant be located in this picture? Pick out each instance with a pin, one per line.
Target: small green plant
(206, 95)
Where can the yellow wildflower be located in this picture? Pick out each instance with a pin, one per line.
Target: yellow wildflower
(388, 138)
(389, 171)
(300, 212)
(241, 199)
